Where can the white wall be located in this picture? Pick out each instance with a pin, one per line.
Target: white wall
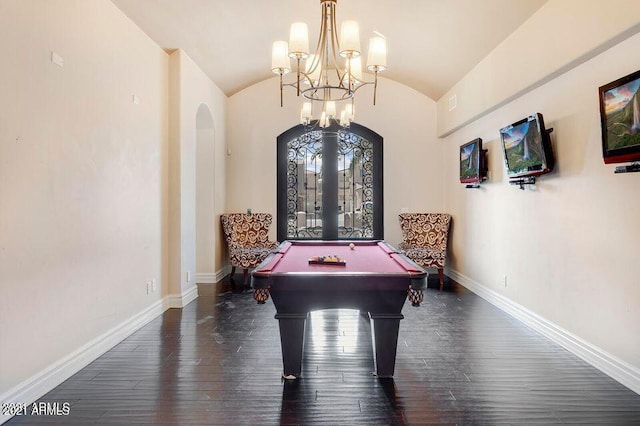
(413, 165)
(190, 90)
(560, 35)
(569, 248)
(82, 178)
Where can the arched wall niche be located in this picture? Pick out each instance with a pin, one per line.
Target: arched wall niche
(206, 228)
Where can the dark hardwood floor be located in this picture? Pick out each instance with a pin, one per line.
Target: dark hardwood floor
(460, 361)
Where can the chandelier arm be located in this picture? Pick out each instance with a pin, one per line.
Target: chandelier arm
(335, 47)
(292, 84)
(315, 63)
(298, 78)
(325, 58)
(323, 30)
(312, 69)
(320, 93)
(317, 59)
(375, 86)
(305, 76)
(315, 88)
(281, 85)
(349, 74)
(361, 84)
(339, 76)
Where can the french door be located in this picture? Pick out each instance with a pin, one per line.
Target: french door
(329, 184)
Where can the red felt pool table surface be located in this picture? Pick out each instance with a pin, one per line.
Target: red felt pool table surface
(375, 280)
(367, 257)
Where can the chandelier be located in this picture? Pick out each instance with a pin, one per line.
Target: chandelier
(334, 72)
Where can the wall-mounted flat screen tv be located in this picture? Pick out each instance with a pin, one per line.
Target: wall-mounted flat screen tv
(527, 147)
(620, 119)
(472, 162)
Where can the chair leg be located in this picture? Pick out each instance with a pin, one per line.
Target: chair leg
(233, 271)
(441, 276)
(245, 273)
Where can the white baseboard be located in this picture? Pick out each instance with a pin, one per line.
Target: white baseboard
(181, 300)
(189, 295)
(211, 277)
(617, 369)
(220, 274)
(206, 278)
(44, 381)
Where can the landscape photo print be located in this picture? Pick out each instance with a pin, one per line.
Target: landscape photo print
(620, 114)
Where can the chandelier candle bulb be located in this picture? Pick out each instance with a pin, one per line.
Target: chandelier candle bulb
(306, 109)
(377, 58)
(349, 39)
(330, 109)
(305, 114)
(299, 40)
(344, 122)
(356, 68)
(349, 111)
(280, 63)
(323, 119)
(352, 74)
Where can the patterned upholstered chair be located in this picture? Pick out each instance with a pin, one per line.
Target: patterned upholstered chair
(248, 240)
(425, 237)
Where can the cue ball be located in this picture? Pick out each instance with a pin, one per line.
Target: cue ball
(352, 246)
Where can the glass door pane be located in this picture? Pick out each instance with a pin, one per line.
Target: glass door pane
(304, 186)
(355, 186)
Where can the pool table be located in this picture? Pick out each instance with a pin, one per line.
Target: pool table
(374, 279)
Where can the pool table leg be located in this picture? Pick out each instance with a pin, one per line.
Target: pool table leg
(385, 336)
(292, 341)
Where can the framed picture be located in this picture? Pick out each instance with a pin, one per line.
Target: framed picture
(620, 119)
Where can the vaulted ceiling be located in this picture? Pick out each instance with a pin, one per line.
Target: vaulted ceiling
(431, 44)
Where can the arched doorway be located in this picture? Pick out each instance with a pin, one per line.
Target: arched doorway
(329, 183)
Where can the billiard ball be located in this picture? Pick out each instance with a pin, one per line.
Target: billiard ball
(352, 246)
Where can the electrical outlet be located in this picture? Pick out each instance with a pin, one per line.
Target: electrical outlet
(149, 288)
(188, 276)
(153, 285)
(504, 279)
